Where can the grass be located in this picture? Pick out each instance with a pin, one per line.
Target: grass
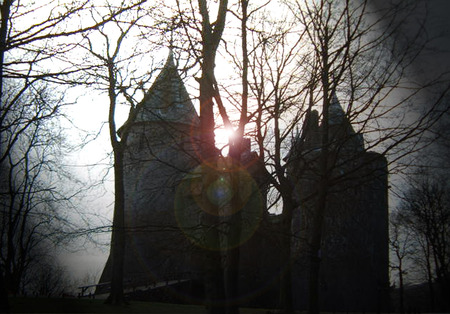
(71, 305)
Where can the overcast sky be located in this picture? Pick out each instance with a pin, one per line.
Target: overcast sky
(434, 15)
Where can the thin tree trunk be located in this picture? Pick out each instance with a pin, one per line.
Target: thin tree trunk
(322, 191)
(430, 281)
(401, 290)
(232, 271)
(118, 232)
(5, 12)
(4, 302)
(116, 296)
(212, 257)
(235, 152)
(315, 253)
(213, 271)
(286, 299)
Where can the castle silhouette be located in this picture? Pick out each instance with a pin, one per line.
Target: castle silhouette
(163, 184)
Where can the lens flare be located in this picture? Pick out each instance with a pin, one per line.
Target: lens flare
(220, 200)
(220, 192)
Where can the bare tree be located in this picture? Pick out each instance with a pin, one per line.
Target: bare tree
(204, 54)
(33, 143)
(425, 212)
(113, 74)
(236, 149)
(211, 33)
(33, 37)
(47, 278)
(23, 46)
(401, 241)
(276, 86)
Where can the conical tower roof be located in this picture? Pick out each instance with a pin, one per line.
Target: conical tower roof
(336, 114)
(167, 100)
(340, 128)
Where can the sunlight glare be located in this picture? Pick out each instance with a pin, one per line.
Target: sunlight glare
(222, 136)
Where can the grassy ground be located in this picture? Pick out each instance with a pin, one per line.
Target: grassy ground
(45, 305)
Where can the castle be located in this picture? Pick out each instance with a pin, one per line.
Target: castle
(161, 212)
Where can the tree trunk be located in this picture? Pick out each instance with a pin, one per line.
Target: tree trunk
(430, 283)
(322, 191)
(212, 255)
(213, 271)
(116, 296)
(401, 290)
(286, 301)
(5, 9)
(315, 253)
(235, 151)
(4, 302)
(232, 271)
(235, 221)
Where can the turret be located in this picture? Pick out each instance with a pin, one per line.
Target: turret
(354, 245)
(167, 99)
(341, 133)
(160, 151)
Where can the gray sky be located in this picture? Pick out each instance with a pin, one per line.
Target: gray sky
(434, 16)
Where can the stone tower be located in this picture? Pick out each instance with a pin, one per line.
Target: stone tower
(160, 151)
(354, 250)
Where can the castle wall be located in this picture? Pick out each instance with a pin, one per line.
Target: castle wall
(354, 252)
(157, 158)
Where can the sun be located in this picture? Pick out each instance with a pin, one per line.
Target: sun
(222, 136)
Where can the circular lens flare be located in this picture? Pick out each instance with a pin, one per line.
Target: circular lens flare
(197, 201)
